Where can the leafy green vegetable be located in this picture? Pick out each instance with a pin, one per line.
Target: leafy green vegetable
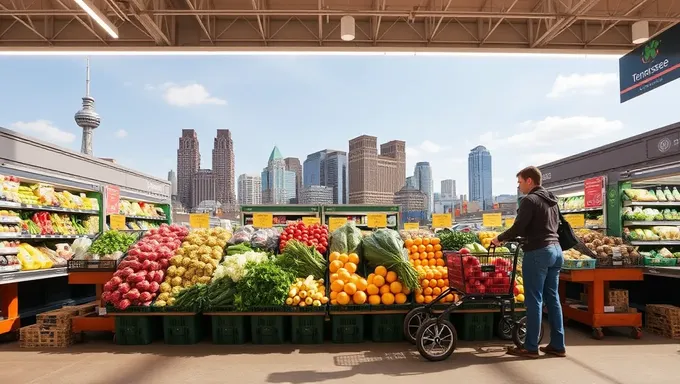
(454, 241)
(112, 241)
(385, 247)
(346, 239)
(266, 284)
(301, 260)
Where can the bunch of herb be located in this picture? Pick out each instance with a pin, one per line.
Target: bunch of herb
(265, 284)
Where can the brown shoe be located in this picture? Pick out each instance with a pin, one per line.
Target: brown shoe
(521, 352)
(549, 350)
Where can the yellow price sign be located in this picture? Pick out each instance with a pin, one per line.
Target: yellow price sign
(263, 220)
(311, 220)
(117, 222)
(411, 226)
(441, 220)
(199, 220)
(492, 219)
(509, 221)
(376, 220)
(576, 220)
(336, 222)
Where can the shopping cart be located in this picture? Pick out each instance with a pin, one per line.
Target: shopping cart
(476, 278)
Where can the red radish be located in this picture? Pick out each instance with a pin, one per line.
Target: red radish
(124, 304)
(124, 288)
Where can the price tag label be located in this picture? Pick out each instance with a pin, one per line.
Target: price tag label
(509, 221)
(311, 220)
(411, 226)
(199, 220)
(441, 220)
(263, 220)
(492, 219)
(376, 220)
(336, 222)
(576, 220)
(117, 222)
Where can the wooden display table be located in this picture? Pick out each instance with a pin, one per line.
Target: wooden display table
(597, 283)
(94, 323)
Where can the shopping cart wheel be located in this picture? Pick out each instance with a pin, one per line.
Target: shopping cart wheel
(414, 318)
(436, 339)
(505, 328)
(519, 333)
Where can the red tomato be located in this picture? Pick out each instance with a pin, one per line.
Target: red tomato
(322, 249)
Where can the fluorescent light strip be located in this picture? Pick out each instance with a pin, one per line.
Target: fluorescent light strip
(99, 17)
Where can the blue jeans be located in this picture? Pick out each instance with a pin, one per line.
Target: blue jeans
(541, 273)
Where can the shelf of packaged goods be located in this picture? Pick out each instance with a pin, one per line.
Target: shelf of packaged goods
(579, 210)
(19, 206)
(25, 236)
(39, 274)
(651, 223)
(597, 280)
(651, 203)
(155, 218)
(655, 242)
(672, 272)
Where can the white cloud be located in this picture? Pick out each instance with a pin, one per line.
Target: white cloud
(554, 130)
(121, 133)
(44, 130)
(426, 147)
(189, 95)
(586, 84)
(538, 159)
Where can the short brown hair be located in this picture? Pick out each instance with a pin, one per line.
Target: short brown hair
(532, 173)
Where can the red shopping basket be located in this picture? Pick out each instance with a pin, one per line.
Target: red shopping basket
(481, 274)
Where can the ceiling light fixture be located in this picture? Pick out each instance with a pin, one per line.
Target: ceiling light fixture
(640, 31)
(347, 28)
(99, 17)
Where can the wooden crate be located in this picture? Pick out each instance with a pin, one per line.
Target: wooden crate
(617, 298)
(34, 336)
(81, 310)
(54, 319)
(663, 320)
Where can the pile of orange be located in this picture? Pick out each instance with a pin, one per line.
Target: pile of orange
(385, 288)
(425, 251)
(433, 281)
(347, 287)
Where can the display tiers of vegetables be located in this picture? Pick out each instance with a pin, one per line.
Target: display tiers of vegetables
(302, 260)
(315, 235)
(661, 257)
(111, 245)
(266, 239)
(454, 240)
(657, 233)
(384, 247)
(425, 251)
(46, 223)
(649, 214)
(265, 284)
(194, 262)
(307, 292)
(138, 278)
(657, 194)
(572, 202)
(607, 248)
(385, 288)
(347, 287)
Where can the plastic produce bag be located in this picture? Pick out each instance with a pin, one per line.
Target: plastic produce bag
(242, 235)
(260, 239)
(79, 248)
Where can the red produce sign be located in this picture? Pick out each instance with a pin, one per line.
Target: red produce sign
(593, 192)
(112, 200)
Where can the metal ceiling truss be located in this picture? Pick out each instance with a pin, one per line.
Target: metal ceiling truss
(436, 25)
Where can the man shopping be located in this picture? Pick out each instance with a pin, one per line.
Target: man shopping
(537, 221)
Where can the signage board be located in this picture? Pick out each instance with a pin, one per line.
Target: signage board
(376, 220)
(311, 220)
(112, 200)
(199, 220)
(576, 220)
(263, 220)
(650, 65)
(336, 222)
(492, 219)
(411, 226)
(593, 192)
(441, 220)
(664, 145)
(117, 222)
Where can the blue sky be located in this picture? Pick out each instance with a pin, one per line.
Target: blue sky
(526, 110)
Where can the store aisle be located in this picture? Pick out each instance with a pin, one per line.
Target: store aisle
(614, 360)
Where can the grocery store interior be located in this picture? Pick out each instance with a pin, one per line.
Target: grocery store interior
(97, 274)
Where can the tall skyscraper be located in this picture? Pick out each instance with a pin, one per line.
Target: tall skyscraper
(448, 190)
(87, 118)
(274, 180)
(290, 187)
(328, 168)
(411, 182)
(293, 165)
(249, 190)
(172, 178)
(204, 187)
(375, 178)
(223, 168)
(422, 178)
(479, 177)
(188, 163)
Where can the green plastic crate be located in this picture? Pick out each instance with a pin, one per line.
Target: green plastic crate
(348, 328)
(229, 329)
(307, 329)
(268, 329)
(137, 330)
(474, 326)
(182, 330)
(387, 328)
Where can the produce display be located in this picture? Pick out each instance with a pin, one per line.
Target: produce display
(454, 240)
(649, 214)
(46, 223)
(658, 194)
(384, 287)
(661, 257)
(43, 195)
(135, 208)
(139, 276)
(485, 237)
(518, 289)
(306, 292)
(433, 281)
(266, 239)
(425, 251)
(32, 259)
(571, 203)
(302, 260)
(573, 254)
(110, 245)
(346, 239)
(347, 286)
(384, 247)
(313, 235)
(606, 248)
(414, 234)
(141, 225)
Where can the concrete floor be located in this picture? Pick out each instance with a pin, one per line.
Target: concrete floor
(614, 360)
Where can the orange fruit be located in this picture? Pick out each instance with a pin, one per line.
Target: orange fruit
(432, 262)
(400, 298)
(449, 298)
(337, 286)
(414, 249)
(384, 289)
(374, 299)
(427, 291)
(423, 255)
(334, 277)
(335, 265)
(372, 289)
(433, 283)
(429, 275)
(426, 241)
(434, 240)
(391, 277)
(408, 243)
(437, 247)
(343, 298)
(429, 248)
(416, 262)
(381, 271)
(333, 256)
(417, 241)
(438, 254)
(334, 302)
(350, 288)
(387, 298)
(350, 267)
(353, 258)
(435, 291)
(359, 297)
(405, 291)
(378, 280)
(343, 274)
(440, 262)
(425, 283)
(334, 295)
(395, 287)
(428, 299)
(421, 248)
(370, 277)
(362, 284)
(343, 257)
(441, 283)
(437, 275)
(420, 299)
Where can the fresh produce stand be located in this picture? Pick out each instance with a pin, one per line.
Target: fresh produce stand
(361, 214)
(281, 215)
(582, 202)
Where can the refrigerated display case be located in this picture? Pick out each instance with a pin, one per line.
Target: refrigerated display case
(582, 202)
